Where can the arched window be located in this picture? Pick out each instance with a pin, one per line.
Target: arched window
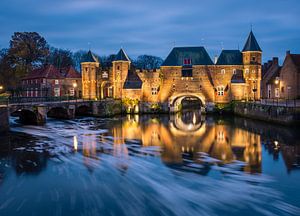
(223, 71)
(220, 90)
(234, 71)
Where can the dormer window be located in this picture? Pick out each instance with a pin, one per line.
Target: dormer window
(187, 61)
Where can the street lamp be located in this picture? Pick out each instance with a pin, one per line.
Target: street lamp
(1, 87)
(75, 86)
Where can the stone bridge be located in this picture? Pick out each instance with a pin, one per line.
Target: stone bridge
(36, 113)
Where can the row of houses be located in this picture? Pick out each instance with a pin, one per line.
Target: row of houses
(281, 81)
(49, 81)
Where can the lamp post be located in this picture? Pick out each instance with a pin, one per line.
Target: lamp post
(75, 86)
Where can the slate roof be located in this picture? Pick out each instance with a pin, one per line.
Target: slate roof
(48, 71)
(251, 43)
(91, 57)
(198, 55)
(230, 57)
(296, 60)
(133, 81)
(238, 77)
(70, 72)
(122, 56)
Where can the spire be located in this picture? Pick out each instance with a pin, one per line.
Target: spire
(122, 56)
(251, 43)
(90, 57)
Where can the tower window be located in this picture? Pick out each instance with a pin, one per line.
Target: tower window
(118, 67)
(223, 71)
(247, 71)
(253, 58)
(187, 72)
(154, 91)
(220, 90)
(234, 71)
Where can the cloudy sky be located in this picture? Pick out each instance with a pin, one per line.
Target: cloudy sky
(155, 26)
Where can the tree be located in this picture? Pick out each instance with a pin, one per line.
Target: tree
(27, 50)
(60, 58)
(81, 56)
(148, 62)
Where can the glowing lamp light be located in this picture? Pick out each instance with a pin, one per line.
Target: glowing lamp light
(1, 87)
(75, 142)
(75, 85)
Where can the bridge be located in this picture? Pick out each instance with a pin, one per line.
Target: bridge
(34, 112)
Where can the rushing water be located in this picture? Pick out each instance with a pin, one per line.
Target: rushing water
(186, 164)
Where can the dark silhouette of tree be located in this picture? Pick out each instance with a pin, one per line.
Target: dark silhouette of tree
(148, 62)
(81, 56)
(27, 50)
(60, 58)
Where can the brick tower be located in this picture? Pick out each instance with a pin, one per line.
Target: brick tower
(89, 70)
(252, 55)
(121, 65)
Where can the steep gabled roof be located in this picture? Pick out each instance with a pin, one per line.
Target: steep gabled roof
(251, 43)
(133, 81)
(91, 57)
(70, 72)
(238, 77)
(47, 71)
(296, 60)
(198, 56)
(230, 57)
(122, 56)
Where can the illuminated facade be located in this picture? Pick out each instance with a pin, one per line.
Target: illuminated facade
(187, 72)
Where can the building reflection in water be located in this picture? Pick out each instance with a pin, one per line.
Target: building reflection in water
(185, 136)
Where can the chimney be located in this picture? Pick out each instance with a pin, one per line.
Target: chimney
(288, 52)
(275, 60)
(215, 59)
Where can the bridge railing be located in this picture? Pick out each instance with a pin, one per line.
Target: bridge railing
(31, 100)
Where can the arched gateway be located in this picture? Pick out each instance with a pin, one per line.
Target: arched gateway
(175, 101)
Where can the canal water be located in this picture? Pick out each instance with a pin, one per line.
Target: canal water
(185, 164)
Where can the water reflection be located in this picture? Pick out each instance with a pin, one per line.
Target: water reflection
(176, 164)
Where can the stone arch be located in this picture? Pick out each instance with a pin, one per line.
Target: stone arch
(83, 110)
(29, 117)
(58, 112)
(105, 90)
(176, 100)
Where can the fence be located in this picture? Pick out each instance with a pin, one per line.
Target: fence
(279, 102)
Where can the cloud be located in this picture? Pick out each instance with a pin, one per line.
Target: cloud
(153, 26)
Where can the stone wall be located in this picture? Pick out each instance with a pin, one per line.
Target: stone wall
(278, 114)
(4, 122)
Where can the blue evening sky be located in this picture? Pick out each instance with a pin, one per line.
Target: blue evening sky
(154, 26)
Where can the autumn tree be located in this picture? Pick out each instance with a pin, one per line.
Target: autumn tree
(60, 58)
(27, 50)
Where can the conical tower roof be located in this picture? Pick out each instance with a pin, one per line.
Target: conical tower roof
(122, 56)
(90, 57)
(251, 43)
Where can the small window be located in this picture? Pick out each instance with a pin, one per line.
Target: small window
(200, 87)
(277, 92)
(72, 92)
(247, 71)
(154, 91)
(104, 75)
(56, 92)
(253, 71)
(223, 71)
(282, 89)
(253, 58)
(234, 71)
(220, 90)
(118, 67)
(187, 72)
(56, 82)
(174, 87)
(187, 61)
